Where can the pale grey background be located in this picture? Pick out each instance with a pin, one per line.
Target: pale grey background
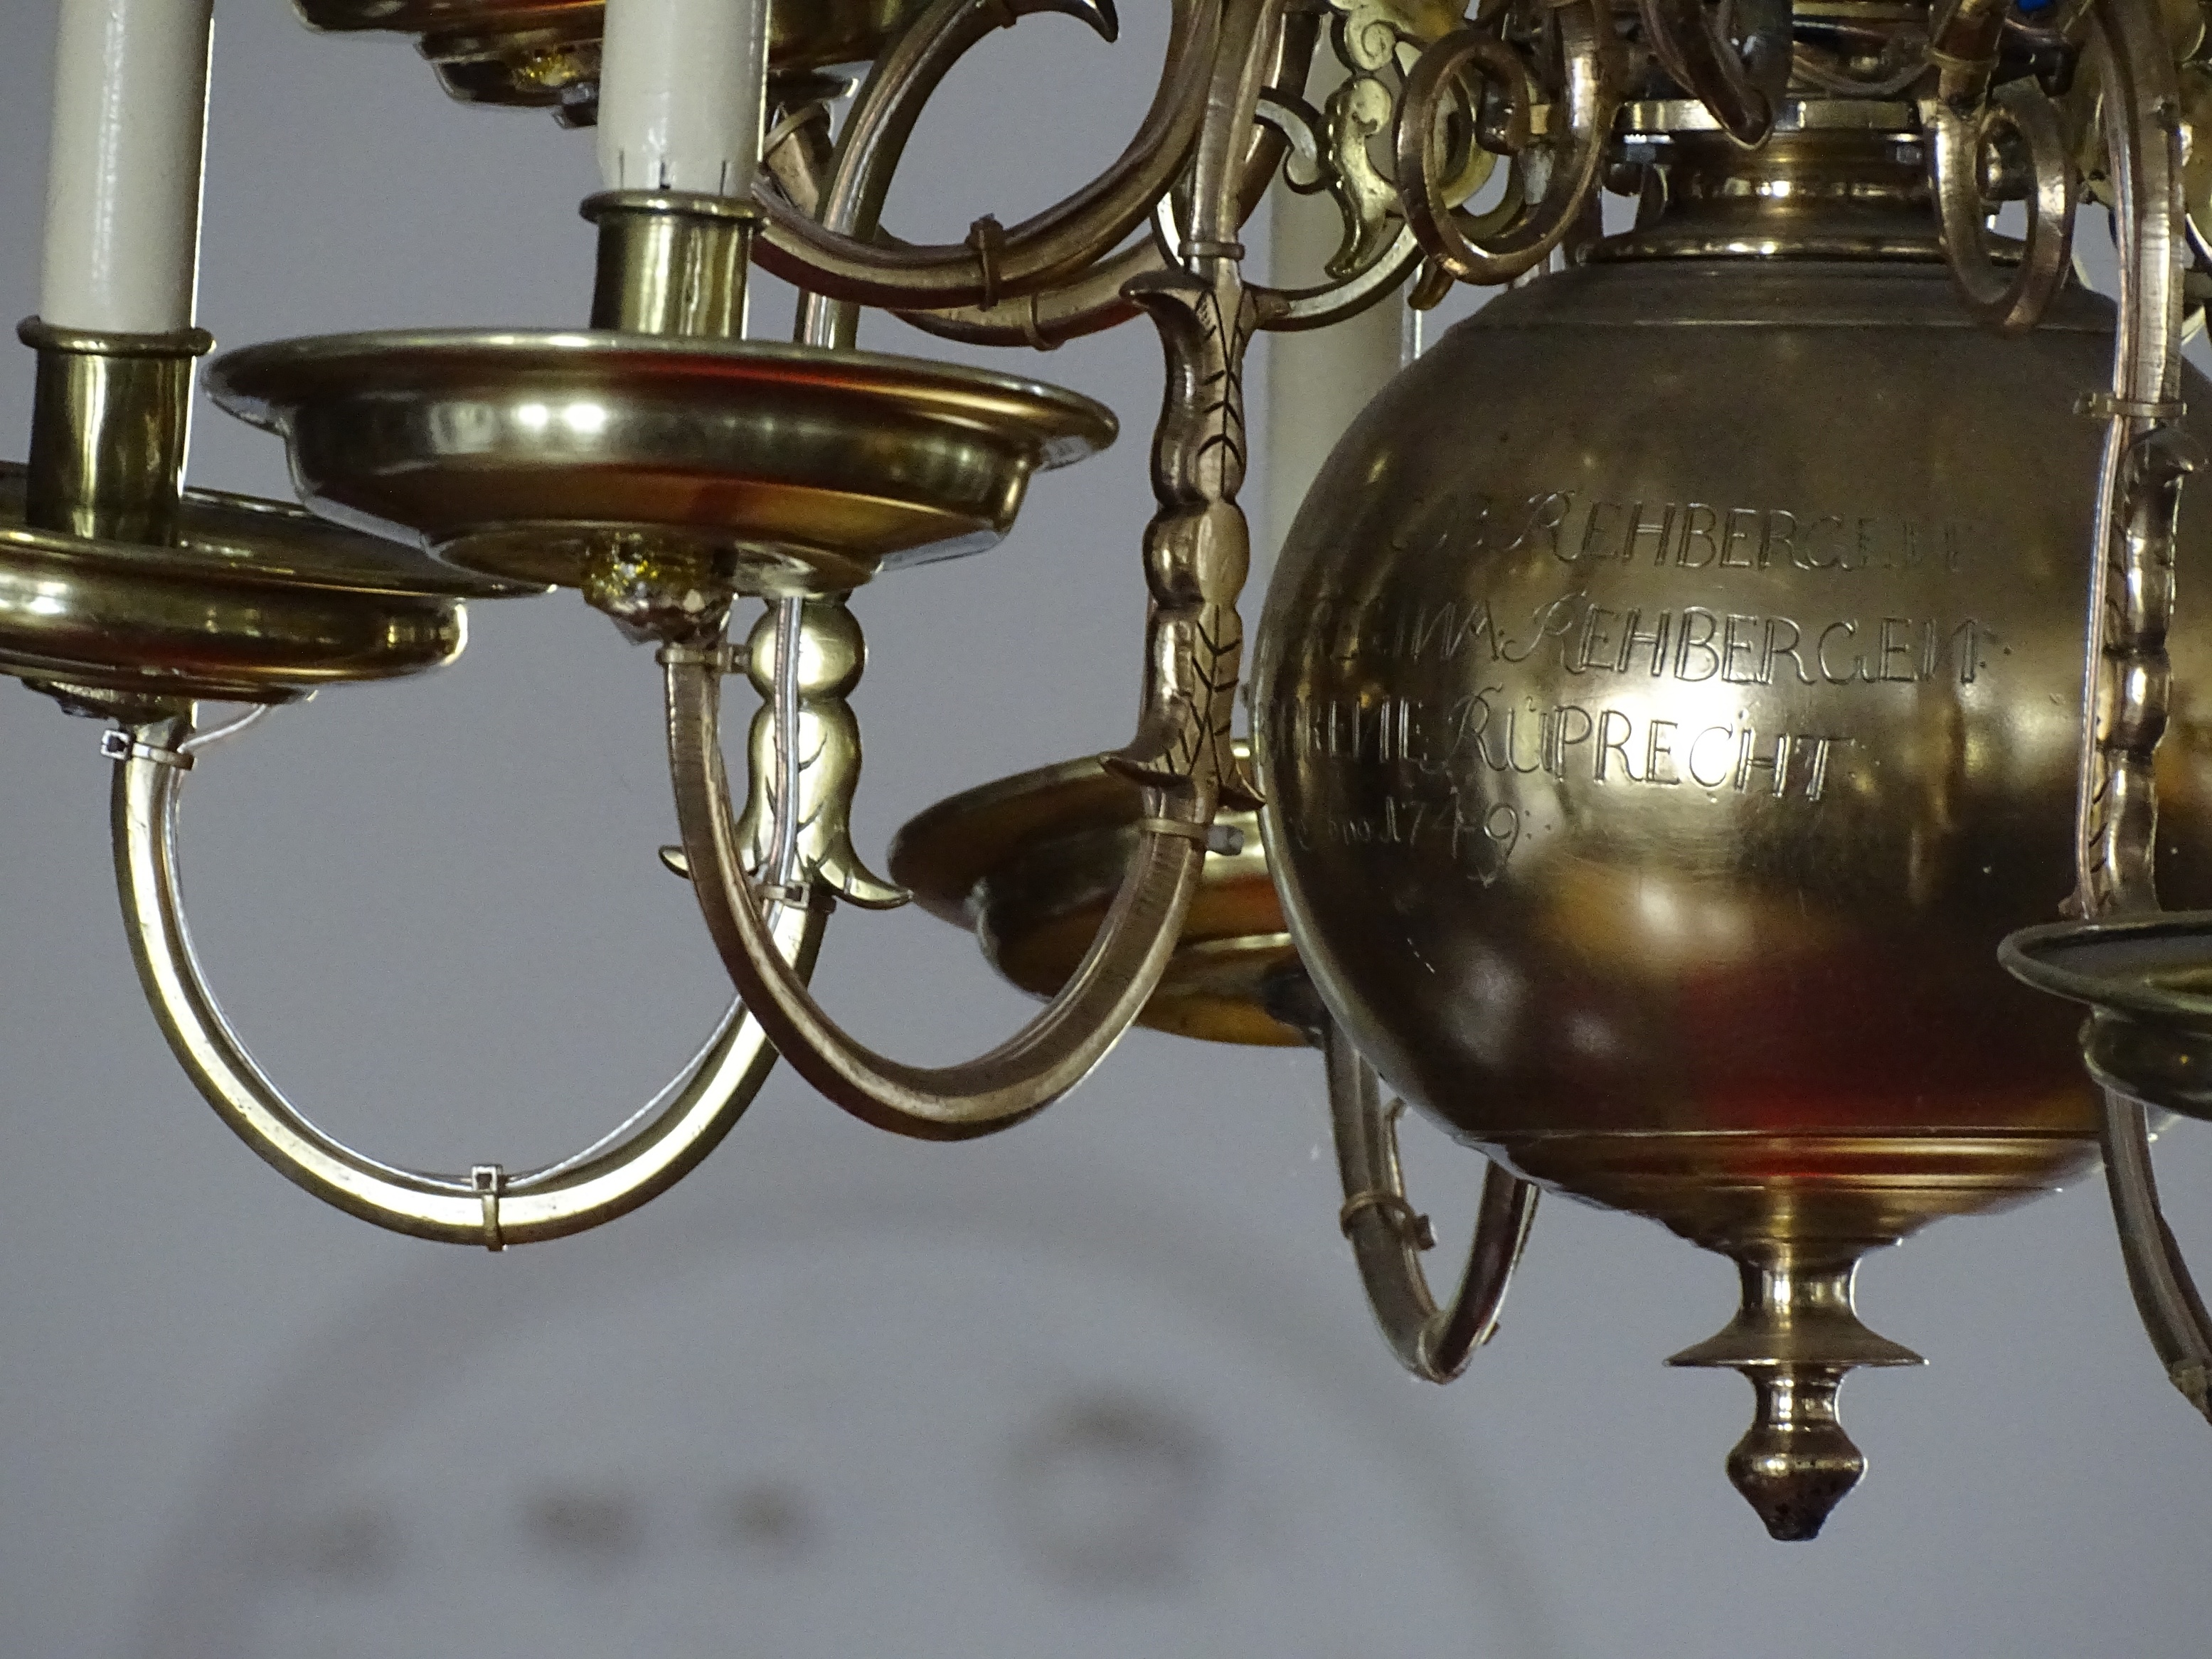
(435, 907)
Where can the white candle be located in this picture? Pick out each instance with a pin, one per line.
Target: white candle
(681, 83)
(1318, 381)
(123, 178)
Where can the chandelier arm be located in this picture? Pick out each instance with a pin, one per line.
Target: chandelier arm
(647, 1154)
(2145, 459)
(2165, 1295)
(2010, 303)
(998, 263)
(2146, 456)
(1090, 304)
(1094, 301)
(898, 87)
(1045, 1058)
(1388, 1235)
(1589, 96)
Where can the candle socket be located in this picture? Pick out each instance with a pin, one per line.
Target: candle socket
(110, 417)
(671, 262)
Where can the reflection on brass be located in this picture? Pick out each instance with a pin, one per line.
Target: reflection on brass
(671, 262)
(545, 53)
(1030, 862)
(825, 759)
(110, 415)
(1794, 1338)
(1655, 749)
(521, 454)
(254, 602)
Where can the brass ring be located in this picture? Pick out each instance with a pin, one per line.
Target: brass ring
(1404, 1220)
(986, 236)
(122, 745)
(490, 1181)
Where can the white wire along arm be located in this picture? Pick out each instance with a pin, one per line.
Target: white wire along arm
(1388, 1235)
(646, 1154)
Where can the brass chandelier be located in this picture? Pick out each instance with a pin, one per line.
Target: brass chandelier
(1642, 781)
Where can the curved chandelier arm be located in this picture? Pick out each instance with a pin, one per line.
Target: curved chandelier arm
(1589, 98)
(643, 1157)
(995, 262)
(1691, 44)
(1968, 133)
(1388, 1234)
(2146, 457)
(1050, 317)
(2165, 1295)
(1047, 1058)
(1094, 301)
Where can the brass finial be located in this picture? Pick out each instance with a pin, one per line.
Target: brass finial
(1794, 1338)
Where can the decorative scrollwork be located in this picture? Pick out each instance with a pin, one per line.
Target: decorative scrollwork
(2011, 147)
(995, 263)
(1498, 107)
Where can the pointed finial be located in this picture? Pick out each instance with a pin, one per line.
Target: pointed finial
(1795, 1338)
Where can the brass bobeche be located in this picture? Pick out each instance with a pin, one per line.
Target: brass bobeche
(525, 455)
(1029, 863)
(121, 592)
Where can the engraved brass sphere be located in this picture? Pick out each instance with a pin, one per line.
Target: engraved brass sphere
(1668, 698)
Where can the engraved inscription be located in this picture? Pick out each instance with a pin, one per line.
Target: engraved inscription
(1581, 528)
(1690, 643)
(1594, 744)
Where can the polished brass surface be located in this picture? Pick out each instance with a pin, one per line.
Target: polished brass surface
(671, 262)
(1822, 193)
(109, 417)
(1702, 926)
(1730, 935)
(546, 53)
(1794, 1338)
(1029, 864)
(800, 817)
(255, 602)
(524, 455)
